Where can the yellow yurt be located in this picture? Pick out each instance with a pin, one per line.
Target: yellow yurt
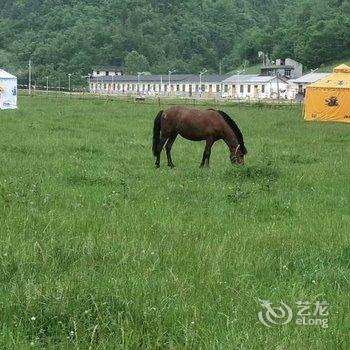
(329, 98)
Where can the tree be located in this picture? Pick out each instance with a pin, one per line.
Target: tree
(157, 35)
(135, 62)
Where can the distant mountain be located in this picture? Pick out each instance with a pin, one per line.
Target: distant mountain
(71, 36)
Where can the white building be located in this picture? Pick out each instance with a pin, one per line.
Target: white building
(286, 68)
(176, 85)
(243, 86)
(104, 71)
(8, 90)
(308, 79)
(256, 87)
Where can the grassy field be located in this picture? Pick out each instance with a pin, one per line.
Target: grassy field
(101, 250)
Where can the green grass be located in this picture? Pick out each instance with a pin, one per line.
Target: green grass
(101, 250)
(254, 69)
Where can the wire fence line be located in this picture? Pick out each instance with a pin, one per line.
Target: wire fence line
(163, 100)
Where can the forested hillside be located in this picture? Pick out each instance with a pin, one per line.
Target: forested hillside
(71, 36)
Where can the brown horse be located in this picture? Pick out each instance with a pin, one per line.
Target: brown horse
(192, 124)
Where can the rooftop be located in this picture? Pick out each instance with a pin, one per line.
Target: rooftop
(6, 75)
(249, 78)
(174, 78)
(107, 68)
(278, 67)
(310, 78)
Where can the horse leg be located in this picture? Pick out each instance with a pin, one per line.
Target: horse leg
(207, 151)
(159, 150)
(168, 146)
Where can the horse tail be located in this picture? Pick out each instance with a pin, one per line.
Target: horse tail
(156, 133)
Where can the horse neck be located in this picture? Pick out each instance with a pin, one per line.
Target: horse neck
(230, 139)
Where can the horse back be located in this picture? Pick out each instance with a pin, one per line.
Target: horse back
(192, 124)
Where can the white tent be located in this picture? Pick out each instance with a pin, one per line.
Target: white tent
(8, 90)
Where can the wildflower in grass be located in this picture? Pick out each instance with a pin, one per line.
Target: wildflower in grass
(33, 318)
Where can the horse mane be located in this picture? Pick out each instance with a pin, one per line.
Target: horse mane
(234, 128)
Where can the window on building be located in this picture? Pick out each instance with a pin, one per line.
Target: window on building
(183, 87)
(105, 86)
(107, 73)
(98, 72)
(113, 87)
(225, 88)
(149, 87)
(118, 86)
(177, 87)
(248, 88)
(218, 88)
(165, 87)
(241, 88)
(287, 72)
(203, 88)
(256, 87)
(197, 87)
(263, 89)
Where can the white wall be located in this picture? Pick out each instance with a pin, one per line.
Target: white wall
(103, 73)
(8, 93)
(287, 91)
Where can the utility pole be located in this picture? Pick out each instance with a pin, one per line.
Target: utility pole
(239, 83)
(138, 81)
(200, 80)
(170, 72)
(220, 64)
(278, 85)
(30, 77)
(160, 86)
(47, 84)
(69, 75)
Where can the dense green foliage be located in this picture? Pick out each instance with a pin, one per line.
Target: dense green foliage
(101, 250)
(70, 36)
